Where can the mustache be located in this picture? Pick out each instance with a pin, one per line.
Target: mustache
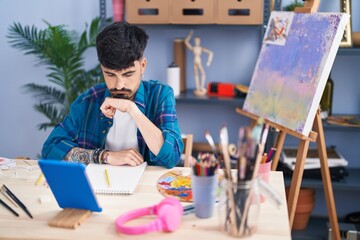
(122, 93)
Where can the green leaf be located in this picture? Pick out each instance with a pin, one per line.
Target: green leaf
(61, 51)
(95, 28)
(45, 94)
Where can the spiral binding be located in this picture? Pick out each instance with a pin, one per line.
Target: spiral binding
(112, 192)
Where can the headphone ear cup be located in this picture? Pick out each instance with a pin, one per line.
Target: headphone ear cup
(169, 212)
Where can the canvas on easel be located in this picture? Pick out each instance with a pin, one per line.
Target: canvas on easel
(293, 66)
(289, 78)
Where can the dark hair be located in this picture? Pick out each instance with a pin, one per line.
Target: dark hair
(120, 44)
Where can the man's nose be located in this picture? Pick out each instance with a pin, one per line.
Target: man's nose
(120, 83)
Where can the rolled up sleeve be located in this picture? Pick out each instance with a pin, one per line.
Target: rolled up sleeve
(166, 121)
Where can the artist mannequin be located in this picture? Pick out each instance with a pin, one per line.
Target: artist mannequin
(197, 50)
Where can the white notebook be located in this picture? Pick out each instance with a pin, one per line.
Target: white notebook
(123, 179)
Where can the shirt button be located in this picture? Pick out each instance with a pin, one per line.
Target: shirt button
(109, 122)
(104, 131)
(102, 118)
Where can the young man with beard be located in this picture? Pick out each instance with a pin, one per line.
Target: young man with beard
(125, 120)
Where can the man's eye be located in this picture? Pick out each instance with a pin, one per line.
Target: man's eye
(111, 75)
(128, 74)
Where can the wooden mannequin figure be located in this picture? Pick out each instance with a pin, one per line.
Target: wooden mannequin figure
(198, 67)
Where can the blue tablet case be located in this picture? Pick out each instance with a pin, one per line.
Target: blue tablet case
(69, 184)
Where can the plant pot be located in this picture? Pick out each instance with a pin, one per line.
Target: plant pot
(304, 207)
(301, 220)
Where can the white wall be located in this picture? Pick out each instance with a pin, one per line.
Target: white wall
(18, 120)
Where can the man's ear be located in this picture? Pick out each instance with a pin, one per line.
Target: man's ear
(143, 64)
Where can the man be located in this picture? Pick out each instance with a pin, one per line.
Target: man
(125, 120)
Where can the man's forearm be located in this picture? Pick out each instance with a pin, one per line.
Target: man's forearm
(80, 155)
(87, 156)
(152, 134)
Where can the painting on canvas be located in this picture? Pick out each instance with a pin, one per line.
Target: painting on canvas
(294, 63)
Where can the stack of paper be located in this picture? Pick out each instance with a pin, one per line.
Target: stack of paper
(312, 160)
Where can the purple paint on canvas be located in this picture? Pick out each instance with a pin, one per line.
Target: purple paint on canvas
(306, 37)
(286, 77)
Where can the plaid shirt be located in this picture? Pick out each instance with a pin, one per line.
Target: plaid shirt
(87, 127)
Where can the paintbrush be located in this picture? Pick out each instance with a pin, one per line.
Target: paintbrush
(211, 142)
(224, 138)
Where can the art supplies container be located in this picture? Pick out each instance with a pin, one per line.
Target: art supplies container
(264, 175)
(204, 194)
(239, 206)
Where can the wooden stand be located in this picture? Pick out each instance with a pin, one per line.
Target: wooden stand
(318, 136)
(311, 6)
(69, 218)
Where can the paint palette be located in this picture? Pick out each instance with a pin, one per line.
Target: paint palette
(175, 184)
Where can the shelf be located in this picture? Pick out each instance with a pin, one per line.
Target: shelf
(189, 97)
(349, 183)
(338, 127)
(200, 26)
(316, 229)
(349, 51)
(334, 127)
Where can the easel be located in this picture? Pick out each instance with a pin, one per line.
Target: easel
(316, 135)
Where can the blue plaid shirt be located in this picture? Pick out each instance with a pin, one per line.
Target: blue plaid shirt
(87, 127)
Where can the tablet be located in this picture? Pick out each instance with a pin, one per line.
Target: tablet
(69, 184)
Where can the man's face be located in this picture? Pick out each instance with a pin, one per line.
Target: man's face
(125, 82)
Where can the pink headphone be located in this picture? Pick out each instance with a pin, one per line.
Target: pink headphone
(169, 212)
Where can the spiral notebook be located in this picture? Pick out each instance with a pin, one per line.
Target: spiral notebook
(122, 179)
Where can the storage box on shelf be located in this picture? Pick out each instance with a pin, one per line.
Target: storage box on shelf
(192, 12)
(247, 12)
(149, 12)
(239, 12)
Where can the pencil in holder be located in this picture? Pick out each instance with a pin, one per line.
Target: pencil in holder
(239, 206)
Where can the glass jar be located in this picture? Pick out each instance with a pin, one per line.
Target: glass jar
(239, 206)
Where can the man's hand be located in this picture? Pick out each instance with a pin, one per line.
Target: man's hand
(110, 105)
(125, 157)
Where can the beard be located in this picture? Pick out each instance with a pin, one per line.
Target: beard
(123, 93)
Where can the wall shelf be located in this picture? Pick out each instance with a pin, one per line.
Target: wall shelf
(349, 183)
(316, 229)
(349, 51)
(189, 97)
(334, 127)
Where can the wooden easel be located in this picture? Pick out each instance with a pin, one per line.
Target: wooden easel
(317, 135)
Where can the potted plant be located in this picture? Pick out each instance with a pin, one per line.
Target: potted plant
(61, 51)
(293, 5)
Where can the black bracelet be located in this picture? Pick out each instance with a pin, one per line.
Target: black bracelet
(96, 155)
(101, 156)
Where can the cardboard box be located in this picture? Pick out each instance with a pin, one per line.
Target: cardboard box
(247, 12)
(192, 11)
(147, 11)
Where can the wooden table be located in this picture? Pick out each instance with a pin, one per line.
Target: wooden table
(273, 221)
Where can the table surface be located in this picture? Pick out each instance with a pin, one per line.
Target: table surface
(273, 221)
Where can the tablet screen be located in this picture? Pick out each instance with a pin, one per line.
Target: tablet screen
(69, 184)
